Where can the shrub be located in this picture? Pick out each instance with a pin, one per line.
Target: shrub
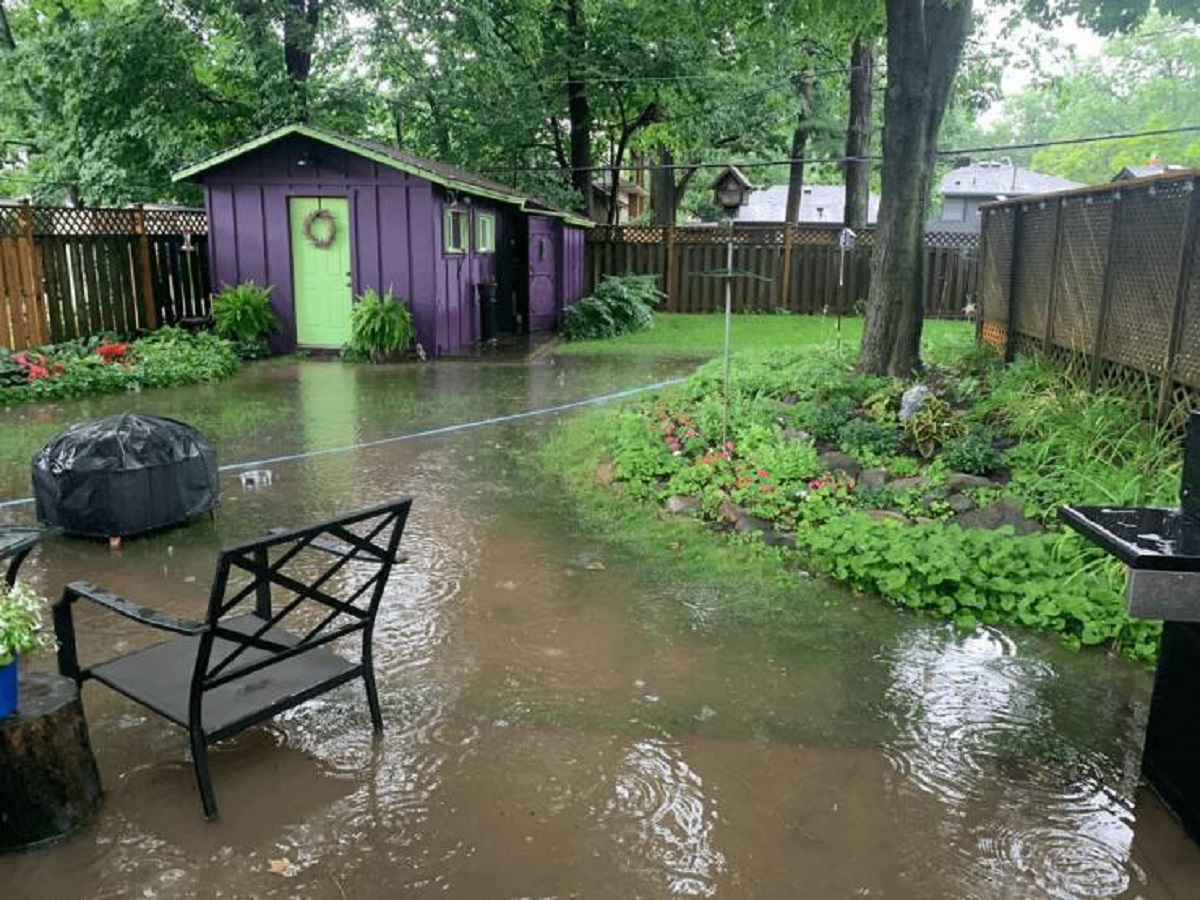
(869, 440)
(171, 356)
(620, 305)
(974, 453)
(242, 314)
(379, 325)
(825, 419)
(931, 426)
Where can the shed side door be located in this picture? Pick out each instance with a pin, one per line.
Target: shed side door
(543, 274)
(321, 276)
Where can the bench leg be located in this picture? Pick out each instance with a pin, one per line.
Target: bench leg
(203, 780)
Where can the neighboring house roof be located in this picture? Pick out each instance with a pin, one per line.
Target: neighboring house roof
(999, 179)
(819, 203)
(440, 173)
(1131, 172)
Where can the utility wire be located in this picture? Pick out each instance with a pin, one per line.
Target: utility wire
(956, 151)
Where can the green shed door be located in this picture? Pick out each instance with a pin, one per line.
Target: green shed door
(321, 279)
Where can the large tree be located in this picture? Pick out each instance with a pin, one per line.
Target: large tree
(925, 40)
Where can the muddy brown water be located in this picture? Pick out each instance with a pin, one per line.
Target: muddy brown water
(558, 729)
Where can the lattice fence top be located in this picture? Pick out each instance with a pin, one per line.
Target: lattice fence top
(769, 235)
(71, 222)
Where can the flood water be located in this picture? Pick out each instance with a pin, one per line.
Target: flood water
(564, 720)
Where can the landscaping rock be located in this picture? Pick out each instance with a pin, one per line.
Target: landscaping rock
(789, 399)
(606, 473)
(796, 434)
(958, 481)
(778, 539)
(887, 515)
(730, 511)
(836, 461)
(910, 484)
(873, 478)
(1005, 511)
(751, 523)
(912, 400)
(960, 503)
(682, 505)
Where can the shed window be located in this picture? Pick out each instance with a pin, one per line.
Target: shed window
(485, 233)
(455, 230)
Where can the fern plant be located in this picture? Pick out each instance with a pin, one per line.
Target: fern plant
(242, 314)
(619, 305)
(379, 325)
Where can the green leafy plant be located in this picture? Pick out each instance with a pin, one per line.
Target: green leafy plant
(621, 304)
(974, 452)
(21, 622)
(932, 425)
(242, 314)
(379, 325)
(869, 440)
(825, 418)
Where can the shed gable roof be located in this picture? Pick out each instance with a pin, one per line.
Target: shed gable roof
(440, 173)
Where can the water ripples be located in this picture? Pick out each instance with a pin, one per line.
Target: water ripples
(975, 732)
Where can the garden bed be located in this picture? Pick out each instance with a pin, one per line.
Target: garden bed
(949, 508)
(105, 364)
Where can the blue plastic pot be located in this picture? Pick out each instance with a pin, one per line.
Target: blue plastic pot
(8, 689)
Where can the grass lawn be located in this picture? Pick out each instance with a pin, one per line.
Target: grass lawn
(702, 336)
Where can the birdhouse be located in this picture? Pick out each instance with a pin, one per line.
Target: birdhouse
(731, 189)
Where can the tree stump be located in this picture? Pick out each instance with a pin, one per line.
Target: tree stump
(49, 784)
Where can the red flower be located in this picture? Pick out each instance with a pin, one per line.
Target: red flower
(109, 352)
(36, 372)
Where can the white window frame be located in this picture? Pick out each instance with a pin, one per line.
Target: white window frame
(449, 246)
(485, 238)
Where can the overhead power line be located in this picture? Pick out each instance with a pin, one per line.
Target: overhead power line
(808, 160)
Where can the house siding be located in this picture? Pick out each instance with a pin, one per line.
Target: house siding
(396, 234)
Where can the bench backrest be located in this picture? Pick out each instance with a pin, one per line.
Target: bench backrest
(319, 583)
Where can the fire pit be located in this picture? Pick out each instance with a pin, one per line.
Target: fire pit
(124, 475)
(1161, 547)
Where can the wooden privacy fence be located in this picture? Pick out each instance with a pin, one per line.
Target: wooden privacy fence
(1104, 281)
(67, 273)
(790, 268)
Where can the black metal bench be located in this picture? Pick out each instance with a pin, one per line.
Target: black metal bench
(308, 588)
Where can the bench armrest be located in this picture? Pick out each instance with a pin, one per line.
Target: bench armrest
(127, 608)
(333, 547)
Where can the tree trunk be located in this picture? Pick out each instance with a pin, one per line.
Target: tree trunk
(663, 200)
(858, 135)
(300, 21)
(6, 38)
(49, 785)
(924, 46)
(579, 112)
(799, 145)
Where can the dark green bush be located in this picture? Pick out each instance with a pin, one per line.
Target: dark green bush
(868, 439)
(825, 419)
(974, 453)
(621, 304)
(242, 314)
(379, 325)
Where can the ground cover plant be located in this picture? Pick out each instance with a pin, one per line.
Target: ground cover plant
(105, 364)
(619, 305)
(948, 507)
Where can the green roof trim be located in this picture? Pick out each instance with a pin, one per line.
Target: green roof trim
(438, 173)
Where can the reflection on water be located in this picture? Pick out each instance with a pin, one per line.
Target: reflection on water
(558, 729)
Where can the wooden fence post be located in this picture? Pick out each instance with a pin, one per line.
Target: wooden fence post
(1187, 263)
(669, 280)
(1055, 257)
(1110, 278)
(37, 325)
(1014, 269)
(785, 291)
(146, 271)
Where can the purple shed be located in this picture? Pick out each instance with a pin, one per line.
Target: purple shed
(322, 217)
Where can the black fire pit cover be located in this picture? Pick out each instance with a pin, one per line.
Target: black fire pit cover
(124, 475)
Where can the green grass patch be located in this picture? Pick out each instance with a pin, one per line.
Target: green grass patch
(703, 336)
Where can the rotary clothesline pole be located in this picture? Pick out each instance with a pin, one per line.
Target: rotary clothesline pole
(728, 329)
